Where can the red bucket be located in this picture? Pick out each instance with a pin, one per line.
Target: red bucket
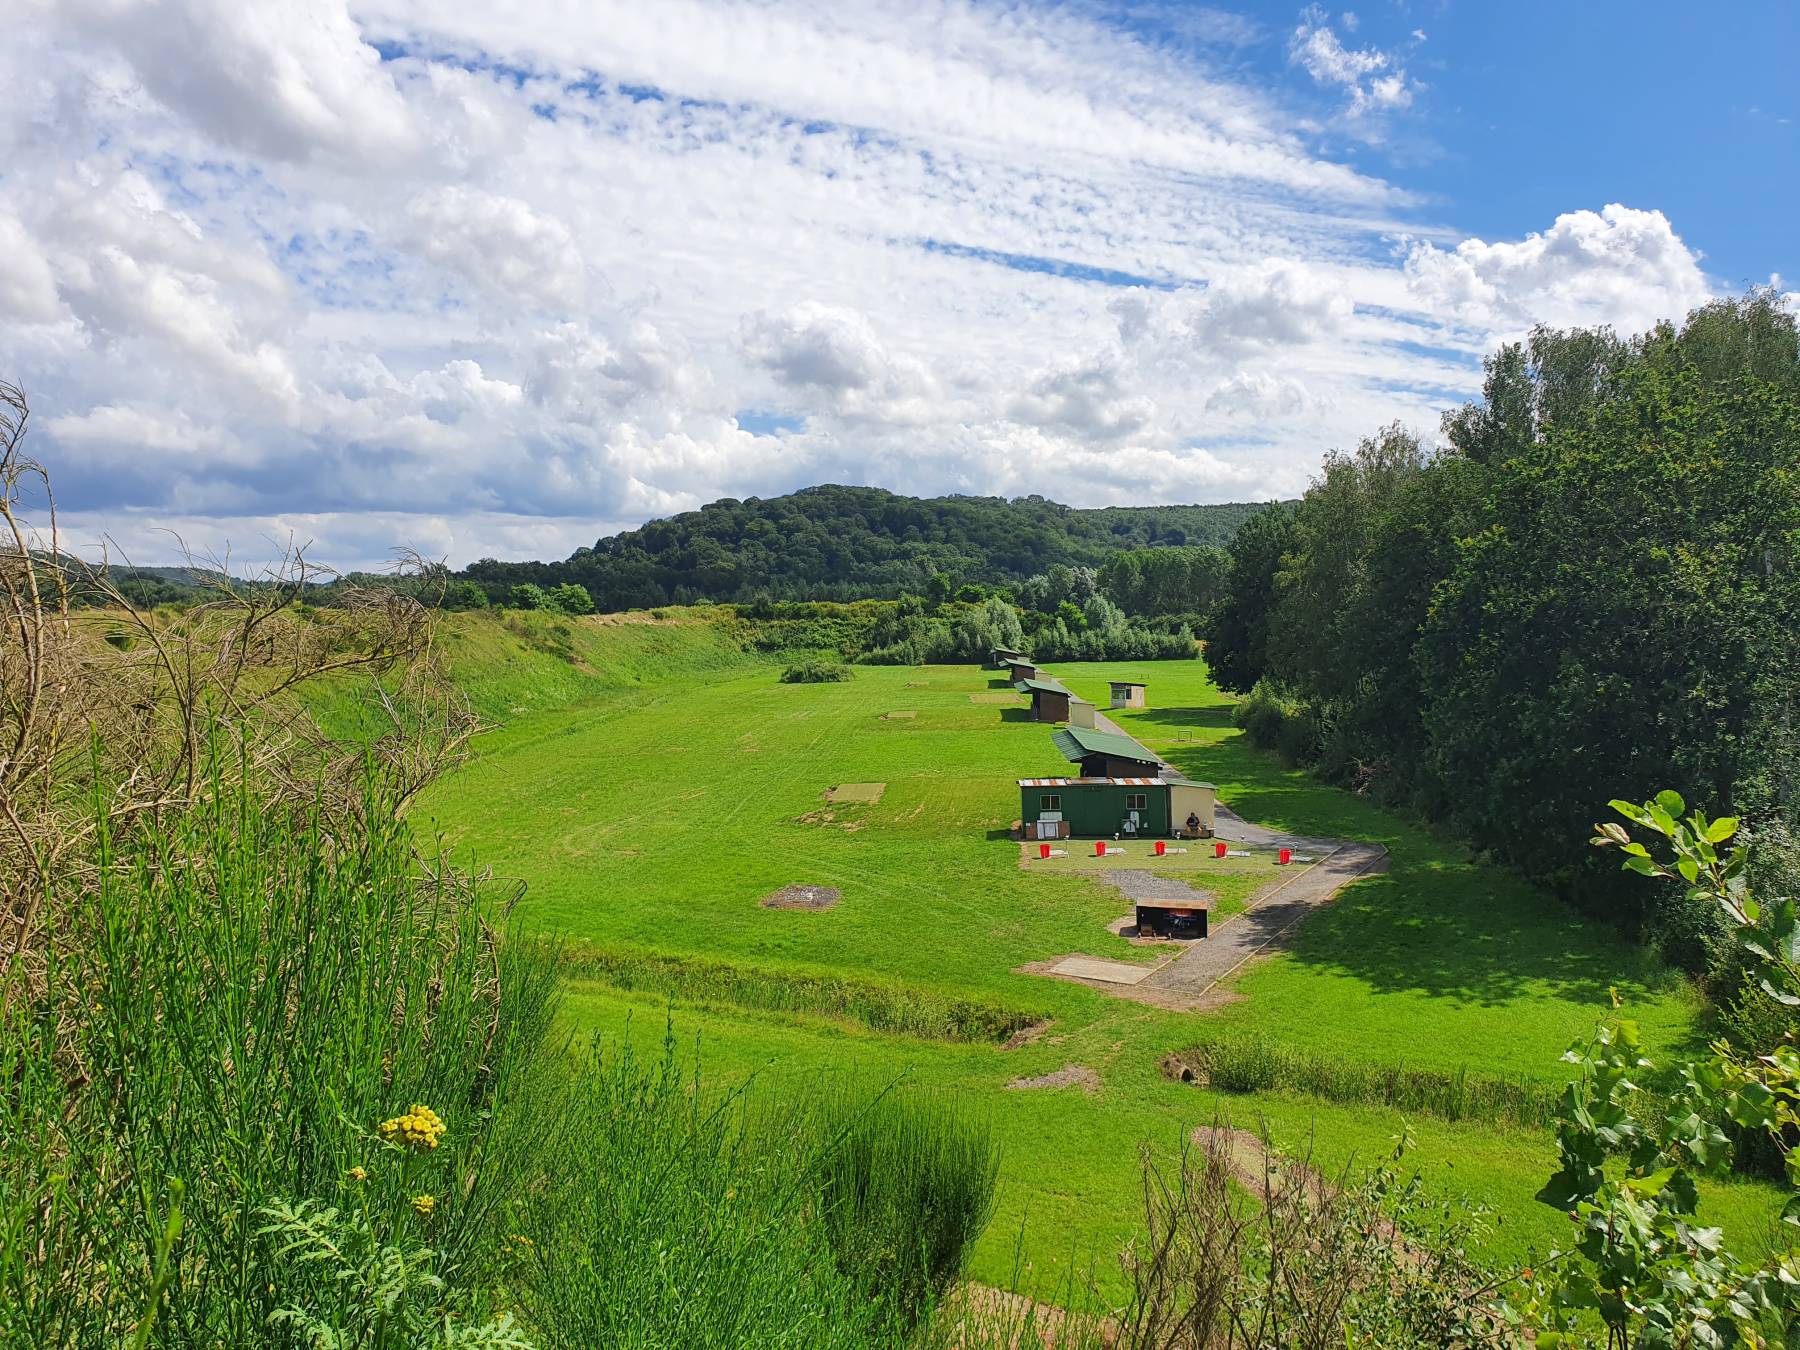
(1043, 850)
(1159, 848)
(1099, 848)
(1219, 849)
(1284, 857)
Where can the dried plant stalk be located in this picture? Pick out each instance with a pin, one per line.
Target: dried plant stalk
(112, 711)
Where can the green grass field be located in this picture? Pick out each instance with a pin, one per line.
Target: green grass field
(651, 786)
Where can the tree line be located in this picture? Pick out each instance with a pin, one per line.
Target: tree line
(1589, 593)
(833, 542)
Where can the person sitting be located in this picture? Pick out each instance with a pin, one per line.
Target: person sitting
(1193, 825)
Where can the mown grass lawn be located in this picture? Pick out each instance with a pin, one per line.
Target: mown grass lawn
(652, 787)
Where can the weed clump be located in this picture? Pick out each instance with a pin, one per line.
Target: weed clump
(903, 1009)
(1256, 1064)
(816, 672)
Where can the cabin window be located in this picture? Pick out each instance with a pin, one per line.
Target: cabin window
(1137, 801)
(1050, 802)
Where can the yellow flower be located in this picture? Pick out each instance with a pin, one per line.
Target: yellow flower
(418, 1129)
(423, 1205)
(359, 1174)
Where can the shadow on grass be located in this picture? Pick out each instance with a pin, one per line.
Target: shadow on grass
(1018, 715)
(1000, 682)
(1435, 922)
(1185, 717)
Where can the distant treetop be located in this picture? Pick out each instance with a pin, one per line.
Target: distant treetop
(834, 542)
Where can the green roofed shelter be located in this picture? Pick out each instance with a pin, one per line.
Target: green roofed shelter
(1105, 754)
(1049, 700)
(1020, 668)
(1001, 657)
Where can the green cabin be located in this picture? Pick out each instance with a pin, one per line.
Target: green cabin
(1094, 808)
(1098, 808)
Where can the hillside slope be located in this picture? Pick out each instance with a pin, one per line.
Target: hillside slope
(835, 542)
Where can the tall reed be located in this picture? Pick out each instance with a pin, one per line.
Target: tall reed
(672, 1215)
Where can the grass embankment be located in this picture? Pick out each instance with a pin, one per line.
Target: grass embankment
(656, 808)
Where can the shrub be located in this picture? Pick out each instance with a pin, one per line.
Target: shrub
(816, 672)
(569, 598)
(1261, 713)
(1249, 1248)
(527, 596)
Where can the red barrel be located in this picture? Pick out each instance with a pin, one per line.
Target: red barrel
(1099, 848)
(1043, 850)
(1285, 856)
(1159, 848)
(1219, 849)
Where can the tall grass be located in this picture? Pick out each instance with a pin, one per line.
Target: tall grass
(682, 1218)
(189, 1152)
(256, 994)
(906, 1186)
(1256, 1064)
(903, 1009)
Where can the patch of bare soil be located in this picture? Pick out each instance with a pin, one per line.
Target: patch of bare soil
(1070, 1075)
(1026, 1035)
(830, 818)
(900, 715)
(995, 696)
(803, 897)
(1152, 995)
(918, 684)
(980, 1315)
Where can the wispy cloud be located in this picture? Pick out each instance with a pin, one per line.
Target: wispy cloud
(494, 280)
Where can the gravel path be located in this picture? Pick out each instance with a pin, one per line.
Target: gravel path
(1136, 884)
(1275, 914)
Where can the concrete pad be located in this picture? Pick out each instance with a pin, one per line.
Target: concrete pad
(867, 793)
(1106, 972)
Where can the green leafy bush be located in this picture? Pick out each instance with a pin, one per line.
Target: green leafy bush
(816, 672)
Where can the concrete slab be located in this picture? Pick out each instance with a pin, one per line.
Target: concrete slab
(866, 793)
(1106, 972)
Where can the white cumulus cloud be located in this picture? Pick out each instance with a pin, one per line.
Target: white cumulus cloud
(1618, 266)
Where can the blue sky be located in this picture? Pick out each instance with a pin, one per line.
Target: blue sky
(1691, 109)
(492, 282)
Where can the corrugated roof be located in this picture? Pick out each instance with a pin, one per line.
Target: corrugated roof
(1042, 686)
(1093, 782)
(1128, 684)
(1077, 743)
(1191, 782)
(1008, 651)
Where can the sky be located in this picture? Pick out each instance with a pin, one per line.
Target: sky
(493, 281)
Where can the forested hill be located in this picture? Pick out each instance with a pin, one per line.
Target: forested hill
(835, 543)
